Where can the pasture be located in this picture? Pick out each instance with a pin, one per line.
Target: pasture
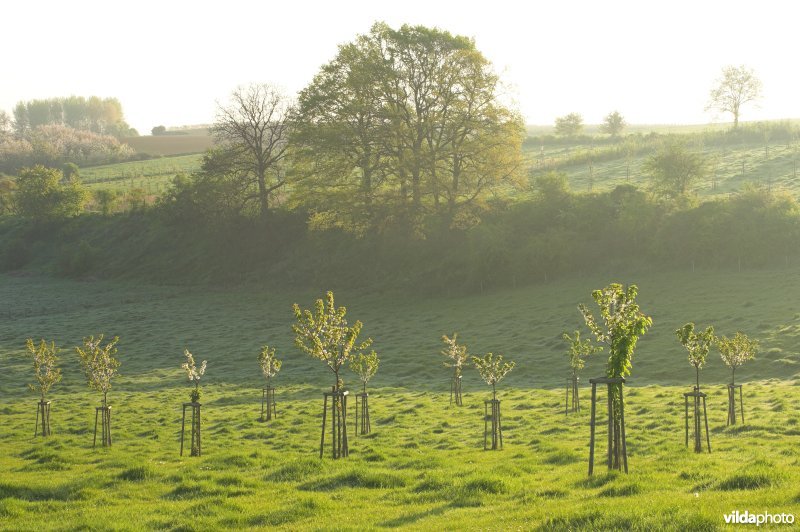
(423, 465)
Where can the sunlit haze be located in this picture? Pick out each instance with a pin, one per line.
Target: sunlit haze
(168, 62)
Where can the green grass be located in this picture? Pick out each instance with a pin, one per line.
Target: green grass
(423, 466)
(153, 175)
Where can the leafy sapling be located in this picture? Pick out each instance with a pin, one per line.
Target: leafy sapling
(45, 365)
(457, 355)
(365, 366)
(270, 365)
(194, 373)
(578, 351)
(736, 351)
(698, 345)
(492, 369)
(99, 363)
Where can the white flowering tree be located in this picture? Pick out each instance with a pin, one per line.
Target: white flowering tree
(45, 366)
(365, 366)
(194, 374)
(698, 344)
(736, 351)
(325, 335)
(270, 365)
(492, 369)
(578, 350)
(99, 363)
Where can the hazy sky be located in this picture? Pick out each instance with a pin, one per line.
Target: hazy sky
(169, 61)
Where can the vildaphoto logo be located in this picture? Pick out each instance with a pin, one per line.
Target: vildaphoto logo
(764, 518)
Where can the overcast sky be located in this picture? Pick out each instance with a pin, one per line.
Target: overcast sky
(169, 61)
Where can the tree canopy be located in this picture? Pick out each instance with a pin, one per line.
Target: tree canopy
(737, 86)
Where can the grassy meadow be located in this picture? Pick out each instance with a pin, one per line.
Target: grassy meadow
(152, 175)
(423, 466)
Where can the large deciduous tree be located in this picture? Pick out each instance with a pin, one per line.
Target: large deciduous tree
(569, 125)
(404, 123)
(737, 86)
(613, 124)
(253, 129)
(674, 169)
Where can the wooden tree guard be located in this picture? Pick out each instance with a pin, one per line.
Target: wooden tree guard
(268, 403)
(617, 447)
(338, 422)
(732, 403)
(572, 393)
(43, 413)
(496, 427)
(196, 447)
(455, 390)
(105, 425)
(697, 397)
(365, 426)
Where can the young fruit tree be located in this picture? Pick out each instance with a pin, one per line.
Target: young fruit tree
(577, 352)
(620, 326)
(100, 365)
(698, 345)
(194, 374)
(270, 366)
(458, 359)
(45, 366)
(735, 352)
(365, 366)
(325, 334)
(492, 369)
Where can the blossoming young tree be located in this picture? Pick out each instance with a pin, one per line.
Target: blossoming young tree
(270, 366)
(492, 369)
(45, 365)
(735, 352)
(365, 366)
(619, 328)
(698, 344)
(577, 353)
(100, 365)
(458, 358)
(325, 334)
(194, 374)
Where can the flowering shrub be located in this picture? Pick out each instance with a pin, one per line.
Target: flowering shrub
(194, 373)
(99, 363)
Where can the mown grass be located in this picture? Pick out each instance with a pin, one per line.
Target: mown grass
(423, 466)
(152, 175)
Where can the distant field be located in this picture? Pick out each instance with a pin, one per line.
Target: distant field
(170, 144)
(423, 466)
(152, 175)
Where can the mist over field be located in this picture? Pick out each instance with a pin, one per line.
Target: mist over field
(413, 278)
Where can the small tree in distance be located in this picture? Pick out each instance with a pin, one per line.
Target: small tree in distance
(578, 350)
(613, 124)
(736, 351)
(492, 369)
(194, 373)
(99, 363)
(45, 365)
(698, 345)
(569, 125)
(458, 357)
(270, 365)
(365, 366)
(736, 87)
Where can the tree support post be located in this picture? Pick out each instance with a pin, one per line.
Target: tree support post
(455, 390)
(617, 457)
(196, 448)
(268, 404)
(496, 431)
(732, 403)
(104, 412)
(365, 426)
(43, 413)
(697, 396)
(572, 394)
(338, 423)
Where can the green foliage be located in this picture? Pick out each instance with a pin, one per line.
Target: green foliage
(325, 335)
(158, 130)
(7, 188)
(675, 169)
(456, 353)
(613, 124)
(736, 351)
(99, 363)
(737, 86)
(492, 369)
(622, 325)
(106, 199)
(579, 350)
(697, 344)
(42, 195)
(270, 365)
(45, 365)
(71, 171)
(569, 125)
(365, 366)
